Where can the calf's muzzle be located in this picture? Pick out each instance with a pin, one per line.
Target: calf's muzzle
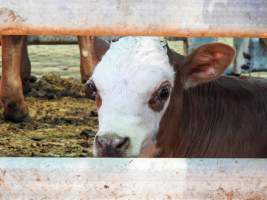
(111, 145)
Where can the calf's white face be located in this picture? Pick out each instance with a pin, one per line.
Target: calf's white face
(133, 82)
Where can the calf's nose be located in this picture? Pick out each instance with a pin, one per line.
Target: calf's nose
(111, 145)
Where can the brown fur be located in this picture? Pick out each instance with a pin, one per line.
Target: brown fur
(222, 118)
(11, 94)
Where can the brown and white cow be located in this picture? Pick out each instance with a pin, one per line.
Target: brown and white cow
(153, 102)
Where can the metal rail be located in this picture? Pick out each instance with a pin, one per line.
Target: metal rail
(114, 178)
(185, 18)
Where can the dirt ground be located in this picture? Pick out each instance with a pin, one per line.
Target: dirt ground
(62, 122)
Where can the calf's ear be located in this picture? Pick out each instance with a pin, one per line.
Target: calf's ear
(100, 47)
(207, 63)
(175, 58)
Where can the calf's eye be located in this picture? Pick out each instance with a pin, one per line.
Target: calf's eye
(90, 90)
(160, 96)
(164, 92)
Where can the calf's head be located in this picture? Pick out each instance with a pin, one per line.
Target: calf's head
(133, 84)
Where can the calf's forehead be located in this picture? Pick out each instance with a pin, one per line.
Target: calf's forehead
(134, 63)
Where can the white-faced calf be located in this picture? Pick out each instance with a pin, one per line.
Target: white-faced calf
(154, 102)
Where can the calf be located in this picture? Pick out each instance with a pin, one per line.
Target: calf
(153, 102)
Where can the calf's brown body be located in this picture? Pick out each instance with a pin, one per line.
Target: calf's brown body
(222, 118)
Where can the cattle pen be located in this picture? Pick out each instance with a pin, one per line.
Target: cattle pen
(133, 178)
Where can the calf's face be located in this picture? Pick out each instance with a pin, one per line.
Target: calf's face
(132, 85)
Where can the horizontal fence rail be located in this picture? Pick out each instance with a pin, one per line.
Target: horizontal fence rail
(186, 18)
(114, 178)
(52, 40)
(61, 39)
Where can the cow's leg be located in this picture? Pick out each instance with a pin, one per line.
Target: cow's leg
(88, 58)
(185, 46)
(264, 41)
(11, 92)
(25, 66)
(242, 55)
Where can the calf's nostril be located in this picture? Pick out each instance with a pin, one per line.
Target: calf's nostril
(123, 143)
(100, 141)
